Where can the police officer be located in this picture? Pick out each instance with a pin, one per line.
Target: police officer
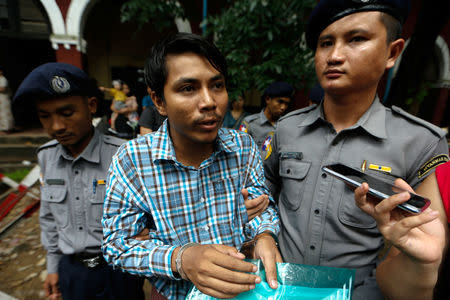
(354, 43)
(276, 99)
(74, 167)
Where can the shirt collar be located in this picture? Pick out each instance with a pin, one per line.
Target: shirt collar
(90, 153)
(262, 118)
(372, 121)
(162, 146)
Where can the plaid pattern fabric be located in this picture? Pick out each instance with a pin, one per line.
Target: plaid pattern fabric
(147, 185)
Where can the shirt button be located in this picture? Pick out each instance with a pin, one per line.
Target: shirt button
(288, 171)
(77, 198)
(312, 247)
(324, 175)
(76, 172)
(80, 228)
(202, 199)
(316, 211)
(206, 228)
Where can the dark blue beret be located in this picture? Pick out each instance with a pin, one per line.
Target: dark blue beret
(316, 93)
(54, 80)
(279, 89)
(329, 11)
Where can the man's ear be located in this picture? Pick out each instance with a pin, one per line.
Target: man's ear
(395, 49)
(159, 103)
(92, 104)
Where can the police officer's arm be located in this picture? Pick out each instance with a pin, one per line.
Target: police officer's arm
(411, 266)
(49, 239)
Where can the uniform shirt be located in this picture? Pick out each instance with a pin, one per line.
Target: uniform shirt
(258, 126)
(71, 204)
(321, 223)
(147, 185)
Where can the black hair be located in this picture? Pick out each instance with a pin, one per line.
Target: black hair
(393, 27)
(156, 68)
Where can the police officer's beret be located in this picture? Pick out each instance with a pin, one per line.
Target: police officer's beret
(279, 89)
(54, 80)
(329, 11)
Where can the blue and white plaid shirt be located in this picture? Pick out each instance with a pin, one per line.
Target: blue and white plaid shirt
(147, 185)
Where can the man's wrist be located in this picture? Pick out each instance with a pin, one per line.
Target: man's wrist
(178, 259)
(267, 233)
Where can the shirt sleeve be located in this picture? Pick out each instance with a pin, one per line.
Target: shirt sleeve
(125, 215)
(255, 184)
(49, 232)
(433, 155)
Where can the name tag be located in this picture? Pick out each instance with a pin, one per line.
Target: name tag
(55, 181)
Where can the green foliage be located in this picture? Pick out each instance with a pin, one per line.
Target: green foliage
(263, 41)
(417, 95)
(18, 174)
(161, 12)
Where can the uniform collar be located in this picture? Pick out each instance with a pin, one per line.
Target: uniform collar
(90, 153)
(162, 146)
(372, 121)
(262, 118)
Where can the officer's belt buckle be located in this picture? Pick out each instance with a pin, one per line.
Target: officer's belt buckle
(92, 262)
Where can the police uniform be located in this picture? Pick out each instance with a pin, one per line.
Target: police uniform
(258, 126)
(321, 223)
(72, 195)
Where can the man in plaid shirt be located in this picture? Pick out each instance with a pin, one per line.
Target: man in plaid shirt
(187, 182)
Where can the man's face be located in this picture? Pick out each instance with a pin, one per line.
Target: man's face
(352, 54)
(277, 106)
(68, 120)
(195, 99)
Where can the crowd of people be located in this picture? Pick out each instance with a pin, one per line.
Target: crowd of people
(205, 180)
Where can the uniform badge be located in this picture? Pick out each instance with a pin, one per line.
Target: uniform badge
(267, 146)
(431, 164)
(243, 127)
(60, 84)
(380, 168)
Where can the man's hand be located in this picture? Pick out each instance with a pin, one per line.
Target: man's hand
(255, 206)
(143, 235)
(421, 237)
(218, 270)
(266, 249)
(51, 286)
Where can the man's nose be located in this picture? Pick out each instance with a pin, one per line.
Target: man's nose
(336, 55)
(58, 124)
(207, 101)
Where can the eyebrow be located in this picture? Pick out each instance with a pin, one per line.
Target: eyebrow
(349, 33)
(194, 80)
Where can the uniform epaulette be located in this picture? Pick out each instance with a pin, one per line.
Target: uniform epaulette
(112, 140)
(433, 128)
(50, 144)
(251, 117)
(298, 111)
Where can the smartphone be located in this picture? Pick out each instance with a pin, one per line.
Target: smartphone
(377, 187)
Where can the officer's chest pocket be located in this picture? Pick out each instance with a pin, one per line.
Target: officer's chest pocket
(95, 209)
(55, 195)
(352, 215)
(294, 173)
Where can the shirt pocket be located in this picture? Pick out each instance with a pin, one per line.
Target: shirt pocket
(293, 173)
(55, 195)
(350, 214)
(95, 209)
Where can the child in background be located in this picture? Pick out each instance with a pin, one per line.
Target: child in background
(119, 99)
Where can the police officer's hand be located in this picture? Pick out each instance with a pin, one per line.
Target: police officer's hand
(218, 270)
(255, 206)
(421, 236)
(51, 286)
(266, 249)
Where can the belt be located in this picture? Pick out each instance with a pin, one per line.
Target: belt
(90, 260)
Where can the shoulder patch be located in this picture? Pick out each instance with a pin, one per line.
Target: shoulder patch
(299, 111)
(431, 164)
(50, 144)
(244, 127)
(111, 140)
(433, 128)
(266, 147)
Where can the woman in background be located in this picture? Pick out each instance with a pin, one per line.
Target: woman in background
(235, 115)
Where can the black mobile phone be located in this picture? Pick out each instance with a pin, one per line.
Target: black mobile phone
(377, 187)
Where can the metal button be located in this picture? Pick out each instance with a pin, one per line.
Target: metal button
(312, 247)
(316, 211)
(288, 171)
(80, 228)
(324, 175)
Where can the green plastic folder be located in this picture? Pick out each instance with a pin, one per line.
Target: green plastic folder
(297, 281)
